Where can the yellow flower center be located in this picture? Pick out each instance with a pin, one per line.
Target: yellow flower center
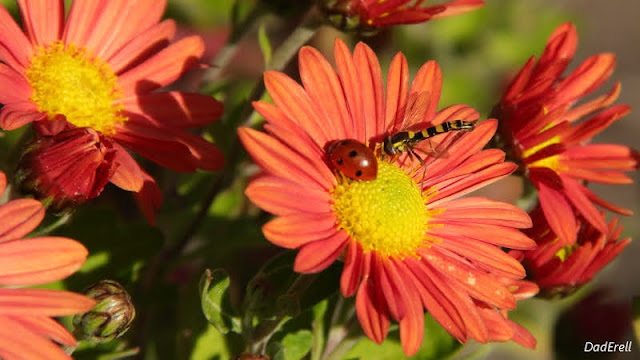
(67, 81)
(387, 215)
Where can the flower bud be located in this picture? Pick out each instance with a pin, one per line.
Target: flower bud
(66, 169)
(110, 318)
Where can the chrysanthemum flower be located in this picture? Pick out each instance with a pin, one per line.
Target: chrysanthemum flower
(27, 330)
(368, 15)
(539, 124)
(409, 241)
(560, 269)
(98, 69)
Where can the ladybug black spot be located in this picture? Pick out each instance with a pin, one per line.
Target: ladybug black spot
(358, 173)
(353, 153)
(340, 161)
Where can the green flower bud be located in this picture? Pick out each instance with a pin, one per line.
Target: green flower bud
(110, 318)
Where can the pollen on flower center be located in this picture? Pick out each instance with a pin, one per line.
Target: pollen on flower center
(387, 215)
(67, 81)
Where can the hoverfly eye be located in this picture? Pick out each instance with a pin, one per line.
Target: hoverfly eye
(353, 153)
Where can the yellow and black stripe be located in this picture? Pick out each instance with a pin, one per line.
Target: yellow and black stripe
(405, 140)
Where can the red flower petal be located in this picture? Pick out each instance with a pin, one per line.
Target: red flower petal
(163, 68)
(318, 255)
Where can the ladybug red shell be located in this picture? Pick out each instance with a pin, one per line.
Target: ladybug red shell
(353, 159)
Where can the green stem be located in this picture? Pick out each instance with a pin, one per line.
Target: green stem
(62, 220)
(226, 54)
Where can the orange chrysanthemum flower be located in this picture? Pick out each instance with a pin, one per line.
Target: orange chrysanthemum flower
(366, 15)
(538, 123)
(560, 269)
(98, 69)
(409, 241)
(27, 330)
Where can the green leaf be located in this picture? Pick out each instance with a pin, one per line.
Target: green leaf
(265, 45)
(297, 345)
(293, 346)
(215, 302)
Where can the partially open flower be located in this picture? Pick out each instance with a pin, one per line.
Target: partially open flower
(541, 126)
(560, 269)
(67, 169)
(110, 318)
(368, 16)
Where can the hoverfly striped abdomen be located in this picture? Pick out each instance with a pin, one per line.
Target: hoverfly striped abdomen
(406, 140)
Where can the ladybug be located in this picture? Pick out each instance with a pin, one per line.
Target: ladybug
(353, 159)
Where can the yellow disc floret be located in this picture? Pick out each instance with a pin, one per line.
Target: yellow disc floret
(387, 215)
(68, 81)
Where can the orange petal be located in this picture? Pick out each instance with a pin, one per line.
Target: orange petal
(318, 255)
(581, 202)
(278, 159)
(491, 234)
(112, 30)
(43, 302)
(163, 68)
(128, 174)
(353, 268)
(43, 20)
(323, 87)
(15, 49)
(478, 285)
(19, 217)
(412, 325)
(428, 80)
(587, 77)
(485, 211)
(370, 75)
(15, 87)
(392, 287)
(157, 145)
(557, 211)
(19, 342)
(175, 109)
(351, 84)
(47, 327)
(374, 321)
(143, 46)
(397, 82)
(471, 183)
(39, 260)
(16, 115)
(294, 102)
(437, 300)
(296, 230)
(486, 256)
(281, 196)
